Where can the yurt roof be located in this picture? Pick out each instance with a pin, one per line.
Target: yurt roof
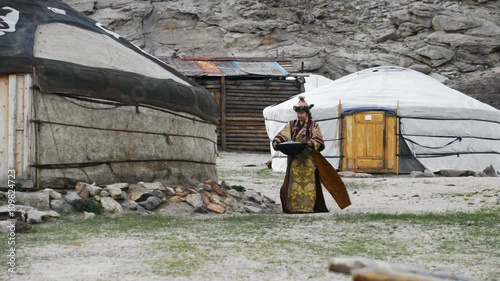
(71, 53)
(386, 87)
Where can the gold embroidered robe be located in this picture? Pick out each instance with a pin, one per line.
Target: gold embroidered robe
(301, 191)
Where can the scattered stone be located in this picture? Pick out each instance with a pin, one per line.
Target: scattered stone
(110, 205)
(229, 201)
(457, 173)
(195, 200)
(136, 195)
(169, 191)
(141, 211)
(424, 174)
(143, 198)
(363, 175)
(252, 209)
(216, 208)
(88, 215)
(82, 191)
(180, 192)
(224, 185)
(234, 193)
(61, 206)
(71, 197)
(129, 205)
(214, 198)
(429, 174)
(269, 200)
(151, 203)
(53, 194)
(176, 199)
(93, 190)
(490, 172)
(36, 216)
(16, 226)
(115, 191)
(122, 186)
(347, 174)
(176, 209)
(201, 210)
(216, 188)
(205, 197)
(38, 200)
(152, 185)
(254, 196)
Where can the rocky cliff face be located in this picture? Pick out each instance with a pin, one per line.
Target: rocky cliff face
(457, 42)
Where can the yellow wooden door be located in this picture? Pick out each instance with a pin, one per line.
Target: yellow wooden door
(369, 142)
(369, 136)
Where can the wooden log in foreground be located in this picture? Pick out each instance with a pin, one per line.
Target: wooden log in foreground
(363, 269)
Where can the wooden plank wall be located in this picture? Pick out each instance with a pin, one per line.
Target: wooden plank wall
(4, 128)
(241, 103)
(15, 128)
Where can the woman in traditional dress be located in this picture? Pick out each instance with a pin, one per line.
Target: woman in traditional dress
(301, 191)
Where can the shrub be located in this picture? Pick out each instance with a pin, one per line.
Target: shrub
(238, 188)
(88, 205)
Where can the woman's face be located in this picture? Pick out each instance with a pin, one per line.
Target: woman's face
(301, 115)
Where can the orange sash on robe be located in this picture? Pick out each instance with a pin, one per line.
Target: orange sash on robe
(331, 180)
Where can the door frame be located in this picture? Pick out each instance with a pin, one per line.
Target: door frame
(390, 140)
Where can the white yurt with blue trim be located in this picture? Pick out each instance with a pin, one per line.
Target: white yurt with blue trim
(436, 128)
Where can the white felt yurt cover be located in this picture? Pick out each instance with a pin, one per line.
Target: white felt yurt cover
(443, 128)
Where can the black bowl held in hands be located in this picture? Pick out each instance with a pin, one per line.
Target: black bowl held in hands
(291, 147)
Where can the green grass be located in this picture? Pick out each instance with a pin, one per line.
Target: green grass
(266, 173)
(187, 246)
(357, 184)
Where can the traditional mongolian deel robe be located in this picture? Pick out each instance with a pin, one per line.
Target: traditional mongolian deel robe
(301, 191)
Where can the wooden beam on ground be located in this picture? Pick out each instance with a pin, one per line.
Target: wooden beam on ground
(363, 269)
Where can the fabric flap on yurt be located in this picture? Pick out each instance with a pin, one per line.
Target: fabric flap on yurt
(442, 128)
(71, 53)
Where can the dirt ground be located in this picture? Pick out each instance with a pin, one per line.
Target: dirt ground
(123, 257)
(380, 194)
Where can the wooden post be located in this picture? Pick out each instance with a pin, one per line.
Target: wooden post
(28, 126)
(340, 135)
(223, 112)
(397, 138)
(11, 162)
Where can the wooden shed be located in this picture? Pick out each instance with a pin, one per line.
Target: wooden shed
(242, 87)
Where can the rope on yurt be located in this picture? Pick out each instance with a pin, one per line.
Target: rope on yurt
(437, 136)
(449, 119)
(167, 136)
(445, 154)
(120, 104)
(90, 164)
(432, 147)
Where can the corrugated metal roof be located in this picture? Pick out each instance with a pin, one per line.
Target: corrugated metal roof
(266, 68)
(219, 66)
(210, 67)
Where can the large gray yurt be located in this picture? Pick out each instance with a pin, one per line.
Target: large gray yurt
(80, 103)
